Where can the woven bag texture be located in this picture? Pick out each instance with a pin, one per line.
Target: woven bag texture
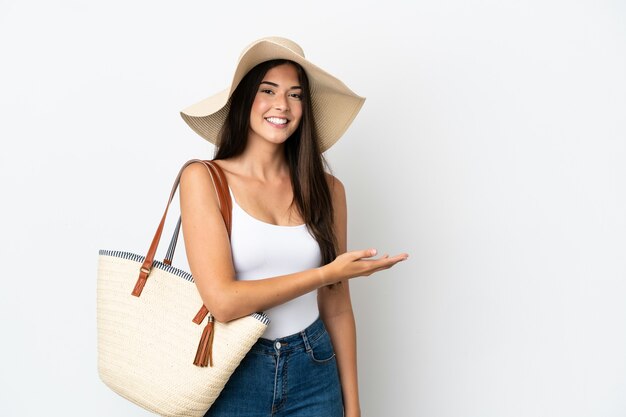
(147, 344)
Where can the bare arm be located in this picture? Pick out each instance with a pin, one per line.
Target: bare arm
(336, 312)
(210, 258)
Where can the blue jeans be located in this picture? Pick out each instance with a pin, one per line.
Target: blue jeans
(293, 376)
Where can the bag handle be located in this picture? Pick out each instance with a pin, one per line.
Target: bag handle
(225, 203)
(169, 256)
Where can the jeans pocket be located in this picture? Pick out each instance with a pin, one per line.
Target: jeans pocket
(321, 351)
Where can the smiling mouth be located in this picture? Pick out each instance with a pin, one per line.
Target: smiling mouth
(277, 120)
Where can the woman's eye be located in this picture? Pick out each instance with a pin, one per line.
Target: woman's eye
(266, 91)
(296, 96)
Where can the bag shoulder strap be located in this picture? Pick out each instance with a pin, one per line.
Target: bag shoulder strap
(223, 193)
(225, 203)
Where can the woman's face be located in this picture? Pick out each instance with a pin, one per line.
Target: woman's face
(277, 107)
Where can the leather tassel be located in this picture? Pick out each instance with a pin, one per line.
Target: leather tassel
(204, 352)
(202, 313)
(211, 344)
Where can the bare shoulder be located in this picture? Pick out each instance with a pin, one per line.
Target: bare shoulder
(338, 195)
(337, 189)
(196, 179)
(194, 173)
(193, 169)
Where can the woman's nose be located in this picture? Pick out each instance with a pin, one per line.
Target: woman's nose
(281, 103)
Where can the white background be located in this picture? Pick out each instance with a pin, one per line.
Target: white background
(492, 148)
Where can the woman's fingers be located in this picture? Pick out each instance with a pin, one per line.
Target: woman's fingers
(366, 253)
(385, 262)
(360, 263)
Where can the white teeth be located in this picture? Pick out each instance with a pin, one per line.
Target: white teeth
(276, 120)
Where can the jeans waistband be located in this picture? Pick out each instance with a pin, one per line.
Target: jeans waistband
(300, 340)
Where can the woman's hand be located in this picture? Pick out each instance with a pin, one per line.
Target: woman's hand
(355, 264)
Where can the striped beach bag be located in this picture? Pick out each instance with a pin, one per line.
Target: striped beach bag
(152, 347)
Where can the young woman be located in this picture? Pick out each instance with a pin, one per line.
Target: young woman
(287, 251)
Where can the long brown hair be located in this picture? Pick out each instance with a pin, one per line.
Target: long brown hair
(311, 193)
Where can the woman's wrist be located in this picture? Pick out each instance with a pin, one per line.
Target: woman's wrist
(324, 275)
(321, 274)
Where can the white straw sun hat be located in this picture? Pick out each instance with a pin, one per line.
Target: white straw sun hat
(334, 105)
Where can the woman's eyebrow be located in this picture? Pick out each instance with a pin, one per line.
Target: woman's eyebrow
(276, 85)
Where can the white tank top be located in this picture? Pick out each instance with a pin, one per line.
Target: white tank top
(263, 250)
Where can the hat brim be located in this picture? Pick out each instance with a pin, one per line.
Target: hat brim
(334, 105)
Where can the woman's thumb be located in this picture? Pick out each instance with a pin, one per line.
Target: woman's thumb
(366, 253)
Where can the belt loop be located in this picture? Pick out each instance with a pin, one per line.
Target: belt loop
(306, 340)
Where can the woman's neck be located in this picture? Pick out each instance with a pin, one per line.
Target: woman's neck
(263, 161)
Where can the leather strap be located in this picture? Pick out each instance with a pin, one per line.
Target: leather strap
(226, 208)
(226, 204)
(221, 188)
(172, 247)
